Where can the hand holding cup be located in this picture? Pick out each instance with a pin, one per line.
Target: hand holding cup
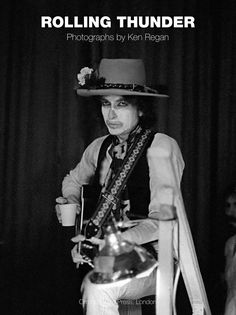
(66, 212)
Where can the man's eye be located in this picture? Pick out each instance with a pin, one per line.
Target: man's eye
(123, 104)
(105, 104)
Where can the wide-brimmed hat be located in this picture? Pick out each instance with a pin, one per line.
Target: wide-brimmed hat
(115, 77)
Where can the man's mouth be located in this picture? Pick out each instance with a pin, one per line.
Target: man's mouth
(113, 125)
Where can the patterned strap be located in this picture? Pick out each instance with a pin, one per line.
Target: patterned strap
(110, 197)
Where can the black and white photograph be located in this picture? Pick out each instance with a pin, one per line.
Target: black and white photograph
(117, 145)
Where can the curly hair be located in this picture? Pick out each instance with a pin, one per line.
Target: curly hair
(146, 106)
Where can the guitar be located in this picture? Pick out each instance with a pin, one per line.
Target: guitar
(89, 198)
(86, 249)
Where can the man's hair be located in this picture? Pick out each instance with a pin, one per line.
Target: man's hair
(144, 104)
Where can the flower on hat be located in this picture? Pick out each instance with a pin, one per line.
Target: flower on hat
(84, 74)
(88, 79)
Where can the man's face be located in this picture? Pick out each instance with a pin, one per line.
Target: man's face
(120, 116)
(230, 209)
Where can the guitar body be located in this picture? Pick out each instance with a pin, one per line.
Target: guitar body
(89, 198)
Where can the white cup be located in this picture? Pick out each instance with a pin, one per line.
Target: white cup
(68, 213)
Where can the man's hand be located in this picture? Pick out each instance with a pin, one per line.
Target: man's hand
(76, 256)
(93, 240)
(62, 201)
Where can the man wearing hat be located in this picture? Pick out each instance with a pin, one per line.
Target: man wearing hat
(127, 110)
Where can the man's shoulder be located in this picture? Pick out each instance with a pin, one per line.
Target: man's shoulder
(99, 140)
(96, 143)
(164, 144)
(162, 137)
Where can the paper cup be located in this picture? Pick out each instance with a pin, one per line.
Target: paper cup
(68, 214)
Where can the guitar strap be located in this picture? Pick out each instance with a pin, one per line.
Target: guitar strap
(110, 197)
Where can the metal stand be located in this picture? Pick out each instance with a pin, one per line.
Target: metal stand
(175, 237)
(165, 271)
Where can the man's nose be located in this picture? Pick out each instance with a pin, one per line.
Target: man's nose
(111, 114)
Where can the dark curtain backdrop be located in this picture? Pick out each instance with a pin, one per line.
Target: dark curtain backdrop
(45, 128)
